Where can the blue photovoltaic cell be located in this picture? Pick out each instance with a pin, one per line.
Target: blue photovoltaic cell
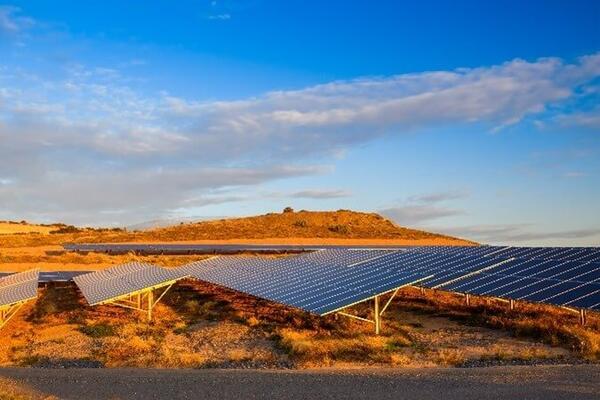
(112, 283)
(558, 282)
(18, 288)
(320, 282)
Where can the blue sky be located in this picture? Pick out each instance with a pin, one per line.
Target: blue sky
(466, 117)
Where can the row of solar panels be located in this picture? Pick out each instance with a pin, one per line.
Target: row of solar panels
(326, 281)
(584, 254)
(178, 249)
(591, 254)
(54, 276)
(18, 288)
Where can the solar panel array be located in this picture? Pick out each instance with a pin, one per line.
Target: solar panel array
(563, 276)
(17, 288)
(112, 283)
(321, 282)
(328, 280)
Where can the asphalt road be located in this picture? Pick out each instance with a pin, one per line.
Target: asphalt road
(540, 382)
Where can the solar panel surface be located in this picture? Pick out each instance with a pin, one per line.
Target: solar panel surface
(106, 285)
(558, 282)
(19, 287)
(320, 282)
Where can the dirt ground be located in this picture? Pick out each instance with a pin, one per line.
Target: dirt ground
(203, 326)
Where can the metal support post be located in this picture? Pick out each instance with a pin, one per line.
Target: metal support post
(150, 304)
(377, 316)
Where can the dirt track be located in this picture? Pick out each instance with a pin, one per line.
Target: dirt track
(548, 382)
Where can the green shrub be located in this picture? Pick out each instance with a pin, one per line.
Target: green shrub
(98, 330)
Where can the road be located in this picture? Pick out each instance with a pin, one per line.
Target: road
(541, 382)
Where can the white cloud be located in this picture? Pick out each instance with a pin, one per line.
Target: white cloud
(86, 197)
(221, 17)
(410, 215)
(321, 194)
(574, 174)
(519, 233)
(439, 196)
(424, 208)
(11, 23)
(56, 134)
(590, 119)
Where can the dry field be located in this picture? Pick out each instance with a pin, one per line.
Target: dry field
(12, 228)
(203, 326)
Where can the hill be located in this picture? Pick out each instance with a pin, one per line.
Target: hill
(303, 227)
(342, 224)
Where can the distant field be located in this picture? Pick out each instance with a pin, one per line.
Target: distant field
(11, 228)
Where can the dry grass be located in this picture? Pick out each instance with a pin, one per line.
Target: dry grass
(203, 326)
(547, 324)
(304, 224)
(12, 228)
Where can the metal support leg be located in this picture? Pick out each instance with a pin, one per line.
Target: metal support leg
(377, 316)
(150, 304)
(582, 317)
(422, 291)
(468, 299)
(7, 313)
(511, 303)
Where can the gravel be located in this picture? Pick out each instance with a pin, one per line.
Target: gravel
(522, 382)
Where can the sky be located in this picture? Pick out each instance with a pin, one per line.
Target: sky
(470, 118)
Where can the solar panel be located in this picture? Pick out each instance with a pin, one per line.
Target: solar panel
(17, 288)
(583, 254)
(321, 282)
(558, 282)
(112, 283)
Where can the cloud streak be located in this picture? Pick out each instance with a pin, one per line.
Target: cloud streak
(11, 23)
(321, 194)
(424, 208)
(518, 233)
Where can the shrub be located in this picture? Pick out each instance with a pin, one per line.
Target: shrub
(99, 330)
(341, 229)
(288, 210)
(66, 229)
